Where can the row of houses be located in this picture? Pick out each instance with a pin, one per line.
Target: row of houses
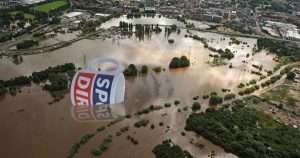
(73, 20)
(213, 14)
(13, 3)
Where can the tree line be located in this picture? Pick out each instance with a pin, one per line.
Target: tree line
(58, 77)
(170, 150)
(246, 132)
(281, 49)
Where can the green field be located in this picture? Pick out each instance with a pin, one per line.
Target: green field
(47, 7)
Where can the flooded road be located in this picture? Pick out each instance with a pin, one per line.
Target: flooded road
(36, 129)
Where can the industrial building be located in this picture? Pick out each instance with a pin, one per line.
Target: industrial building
(285, 30)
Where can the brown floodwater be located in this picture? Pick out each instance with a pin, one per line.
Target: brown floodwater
(30, 127)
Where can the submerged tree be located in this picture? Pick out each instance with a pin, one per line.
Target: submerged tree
(179, 62)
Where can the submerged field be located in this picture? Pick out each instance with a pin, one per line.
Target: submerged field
(175, 91)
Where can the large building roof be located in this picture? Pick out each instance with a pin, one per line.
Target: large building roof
(31, 1)
(73, 14)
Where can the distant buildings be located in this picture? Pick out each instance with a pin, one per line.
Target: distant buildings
(190, 4)
(149, 3)
(212, 3)
(29, 2)
(212, 14)
(13, 3)
(149, 10)
(297, 13)
(211, 18)
(285, 30)
(73, 15)
(3, 3)
(9, 3)
(99, 15)
(169, 10)
(74, 18)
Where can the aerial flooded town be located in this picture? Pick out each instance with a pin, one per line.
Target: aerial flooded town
(150, 78)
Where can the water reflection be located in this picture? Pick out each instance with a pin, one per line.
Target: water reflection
(102, 112)
(143, 20)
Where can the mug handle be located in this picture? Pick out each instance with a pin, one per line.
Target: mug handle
(91, 65)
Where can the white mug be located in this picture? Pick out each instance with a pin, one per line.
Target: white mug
(98, 95)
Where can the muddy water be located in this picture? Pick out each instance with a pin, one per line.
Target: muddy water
(35, 129)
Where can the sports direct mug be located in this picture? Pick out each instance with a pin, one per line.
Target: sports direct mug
(94, 89)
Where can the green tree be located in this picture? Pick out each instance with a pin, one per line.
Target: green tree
(290, 75)
(26, 44)
(57, 82)
(144, 69)
(185, 62)
(170, 150)
(196, 106)
(3, 90)
(181, 62)
(229, 96)
(175, 63)
(131, 70)
(19, 16)
(215, 100)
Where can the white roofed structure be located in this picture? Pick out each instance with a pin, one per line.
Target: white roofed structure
(73, 14)
(29, 2)
(102, 15)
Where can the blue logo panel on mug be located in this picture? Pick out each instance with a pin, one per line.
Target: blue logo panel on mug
(102, 89)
